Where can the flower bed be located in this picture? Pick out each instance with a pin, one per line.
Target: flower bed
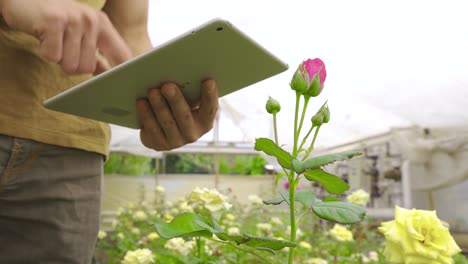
(132, 231)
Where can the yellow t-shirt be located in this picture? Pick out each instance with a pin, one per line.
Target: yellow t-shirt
(26, 81)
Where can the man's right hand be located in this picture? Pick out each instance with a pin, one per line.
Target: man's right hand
(70, 33)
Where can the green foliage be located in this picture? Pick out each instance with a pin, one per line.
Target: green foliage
(195, 164)
(331, 208)
(333, 184)
(339, 212)
(127, 164)
(460, 259)
(190, 224)
(317, 162)
(130, 233)
(184, 225)
(270, 148)
(305, 197)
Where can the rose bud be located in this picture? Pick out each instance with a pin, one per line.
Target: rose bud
(300, 80)
(317, 120)
(317, 74)
(326, 115)
(273, 106)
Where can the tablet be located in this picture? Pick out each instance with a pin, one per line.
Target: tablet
(215, 50)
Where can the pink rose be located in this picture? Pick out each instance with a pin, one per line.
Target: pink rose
(309, 77)
(286, 186)
(317, 73)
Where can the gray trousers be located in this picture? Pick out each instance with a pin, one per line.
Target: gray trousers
(50, 200)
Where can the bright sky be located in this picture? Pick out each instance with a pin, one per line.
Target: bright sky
(389, 63)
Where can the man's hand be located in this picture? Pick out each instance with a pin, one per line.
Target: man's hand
(70, 33)
(167, 120)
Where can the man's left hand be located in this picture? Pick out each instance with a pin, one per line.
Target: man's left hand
(168, 121)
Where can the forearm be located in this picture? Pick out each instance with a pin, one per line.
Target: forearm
(130, 18)
(138, 44)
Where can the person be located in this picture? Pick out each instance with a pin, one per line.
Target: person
(50, 162)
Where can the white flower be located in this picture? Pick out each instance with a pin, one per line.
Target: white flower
(276, 221)
(120, 235)
(185, 207)
(233, 231)
(305, 245)
(359, 197)
(160, 189)
(208, 250)
(180, 245)
(115, 223)
(139, 256)
(140, 216)
(208, 201)
(255, 200)
(153, 236)
(230, 217)
(135, 231)
(168, 217)
(264, 227)
(373, 256)
(299, 232)
(341, 233)
(102, 234)
(316, 261)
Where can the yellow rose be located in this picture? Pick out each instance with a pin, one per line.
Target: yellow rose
(417, 236)
(140, 216)
(233, 231)
(316, 261)
(153, 236)
(139, 256)
(305, 245)
(230, 217)
(102, 234)
(341, 233)
(359, 197)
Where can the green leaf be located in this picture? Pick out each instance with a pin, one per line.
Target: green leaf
(317, 162)
(184, 225)
(274, 201)
(266, 242)
(305, 197)
(331, 199)
(270, 148)
(340, 212)
(333, 184)
(278, 177)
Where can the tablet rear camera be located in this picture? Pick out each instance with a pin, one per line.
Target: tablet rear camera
(219, 29)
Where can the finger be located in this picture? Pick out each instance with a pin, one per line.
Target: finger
(72, 46)
(206, 114)
(88, 59)
(151, 133)
(181, 112)
(102, 64)
(165, 119)
(111, 44)
(51, 42)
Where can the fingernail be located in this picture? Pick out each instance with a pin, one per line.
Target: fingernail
(169, 89)
(210, 85)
